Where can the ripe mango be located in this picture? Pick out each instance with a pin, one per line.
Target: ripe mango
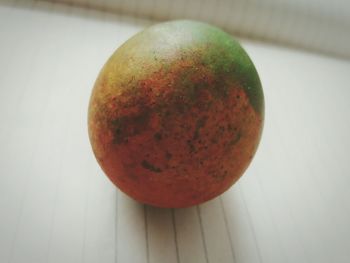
(176, 114)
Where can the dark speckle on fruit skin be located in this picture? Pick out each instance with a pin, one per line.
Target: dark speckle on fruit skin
(168, 155)
(235, 139)
(126, 126)
(200, 123)
(158, 136)
(150, 167)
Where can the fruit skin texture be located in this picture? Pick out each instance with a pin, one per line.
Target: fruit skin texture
(176, 114)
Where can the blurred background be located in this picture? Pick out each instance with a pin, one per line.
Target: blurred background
(291, 205)
(317, 25)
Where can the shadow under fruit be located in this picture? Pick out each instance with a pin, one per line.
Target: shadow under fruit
(176, 114)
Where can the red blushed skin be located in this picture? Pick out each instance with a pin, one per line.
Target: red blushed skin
(174, 157)
(175, 170)
(177, 136)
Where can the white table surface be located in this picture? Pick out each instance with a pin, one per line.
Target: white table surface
(292, 204)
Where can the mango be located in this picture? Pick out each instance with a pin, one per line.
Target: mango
(176, 114)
